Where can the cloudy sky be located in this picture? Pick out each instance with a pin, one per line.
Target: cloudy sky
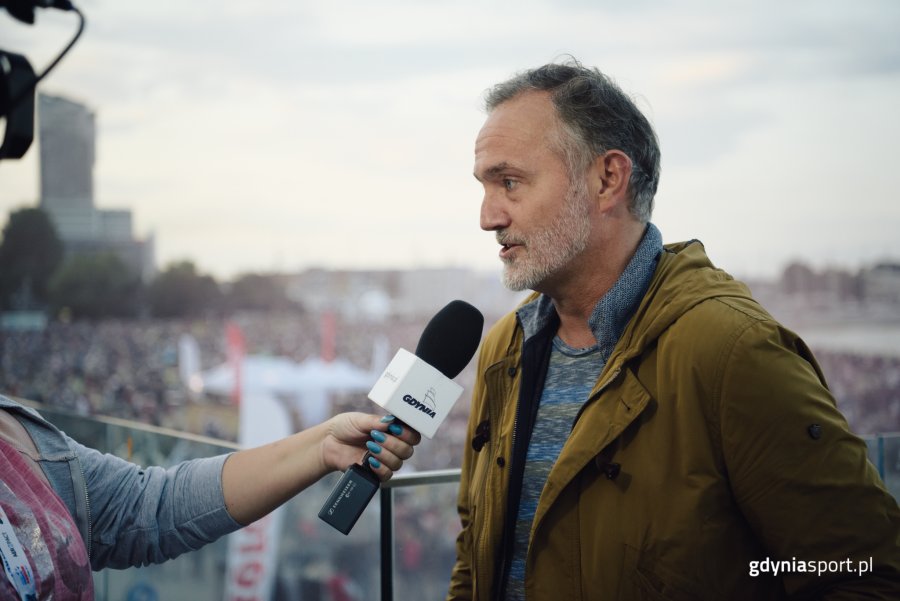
(289, 134)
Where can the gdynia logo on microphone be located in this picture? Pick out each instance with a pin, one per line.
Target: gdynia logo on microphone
(427, 407)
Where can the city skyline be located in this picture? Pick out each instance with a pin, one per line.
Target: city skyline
(293, 135)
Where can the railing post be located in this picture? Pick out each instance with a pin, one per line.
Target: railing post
(387, 517)
(387, 544)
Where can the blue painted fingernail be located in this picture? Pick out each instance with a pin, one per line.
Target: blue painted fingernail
(394, 429)
(379, 436)
(387, 418)
(373, 447)
(374, 462)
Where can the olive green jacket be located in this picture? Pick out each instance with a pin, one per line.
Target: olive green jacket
(709, 442)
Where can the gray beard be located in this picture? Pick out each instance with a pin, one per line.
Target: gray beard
(553, 247)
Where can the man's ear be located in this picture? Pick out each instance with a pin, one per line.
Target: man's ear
(610, 175)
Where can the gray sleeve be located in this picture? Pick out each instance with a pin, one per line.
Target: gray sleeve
(148, 515)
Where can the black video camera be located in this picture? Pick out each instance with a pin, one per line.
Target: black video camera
(18, 80)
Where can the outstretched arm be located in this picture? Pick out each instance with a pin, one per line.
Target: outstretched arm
(256, 481)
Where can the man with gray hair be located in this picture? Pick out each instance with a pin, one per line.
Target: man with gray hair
(641, 428)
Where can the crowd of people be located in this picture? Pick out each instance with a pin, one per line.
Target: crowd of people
(867, 388)
(129, 369)
(126, 369)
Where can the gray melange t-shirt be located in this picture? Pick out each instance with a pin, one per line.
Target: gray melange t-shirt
(571, 375)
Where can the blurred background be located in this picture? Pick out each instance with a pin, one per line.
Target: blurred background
(287, 186)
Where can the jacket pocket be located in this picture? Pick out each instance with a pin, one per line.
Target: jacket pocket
(645, 578)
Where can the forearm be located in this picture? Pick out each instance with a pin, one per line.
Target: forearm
(256, 481)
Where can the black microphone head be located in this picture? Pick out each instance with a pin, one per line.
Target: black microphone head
(450, 339)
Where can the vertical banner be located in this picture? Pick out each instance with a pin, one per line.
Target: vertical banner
(253, 550)
(327, 333)
(234, 350)
(189, 364)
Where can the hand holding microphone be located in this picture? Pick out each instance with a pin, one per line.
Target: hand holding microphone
(347, 432)
(418, 390)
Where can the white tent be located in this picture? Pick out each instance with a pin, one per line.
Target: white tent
(307, 384)
(280, 375)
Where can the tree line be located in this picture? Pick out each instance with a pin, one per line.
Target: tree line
(36, 274)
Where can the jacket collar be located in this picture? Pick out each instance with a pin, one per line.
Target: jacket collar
(683, 278)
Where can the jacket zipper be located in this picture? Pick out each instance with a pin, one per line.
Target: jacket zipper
(536, 359)
(87, 512)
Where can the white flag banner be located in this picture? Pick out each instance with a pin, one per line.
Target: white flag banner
(253, 550)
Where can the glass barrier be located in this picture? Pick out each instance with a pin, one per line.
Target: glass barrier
(314, 561)
(199, 575)
(419, 526)
(407, 551)
(884, 453)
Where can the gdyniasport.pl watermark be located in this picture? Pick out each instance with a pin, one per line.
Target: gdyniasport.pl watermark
(775, 567)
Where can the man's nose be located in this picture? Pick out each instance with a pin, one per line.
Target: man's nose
(493, 214)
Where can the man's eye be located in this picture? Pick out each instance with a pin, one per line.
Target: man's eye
(509, 184)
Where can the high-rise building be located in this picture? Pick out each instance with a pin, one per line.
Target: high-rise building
(67, 134)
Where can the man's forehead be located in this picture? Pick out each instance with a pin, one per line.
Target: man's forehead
(526, 119)
(527, 112)
(525, 126)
